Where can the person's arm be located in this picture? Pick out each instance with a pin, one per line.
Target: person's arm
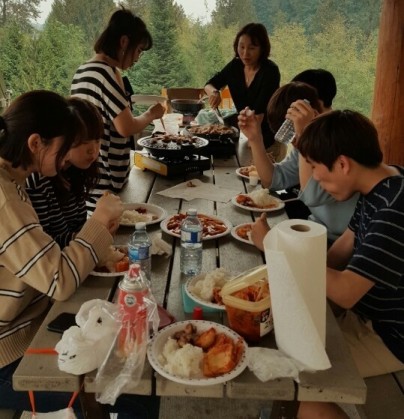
(346, 288)
(217, 82)
(214, 95)
(301, 114)
(341, 251)
(250, 126)
(35, 259)
(126, 124)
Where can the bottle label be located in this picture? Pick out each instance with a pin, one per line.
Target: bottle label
(191, 236)
(140, 253)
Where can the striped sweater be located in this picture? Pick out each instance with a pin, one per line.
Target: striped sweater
(378, 224)
(96, 82)
(33, 269)
(60, 221)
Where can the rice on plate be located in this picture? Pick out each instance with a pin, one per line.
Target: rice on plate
(184, 362)
(262, 198)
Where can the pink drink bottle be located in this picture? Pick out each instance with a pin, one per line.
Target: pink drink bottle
(133, 289)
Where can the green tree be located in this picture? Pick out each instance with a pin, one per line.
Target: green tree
(12, 45)
(234, 13)
(163, 65)
(43, 60)
(21, 12)
(90, 16)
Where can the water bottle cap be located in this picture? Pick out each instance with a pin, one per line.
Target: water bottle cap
(192, 211)
(140, 225)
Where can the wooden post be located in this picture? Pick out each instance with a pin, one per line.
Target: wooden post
(388, 100)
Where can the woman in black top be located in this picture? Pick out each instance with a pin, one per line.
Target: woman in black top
(252, 78)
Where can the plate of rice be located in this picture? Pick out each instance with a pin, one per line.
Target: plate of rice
(139, 212)
(259, 200)
(185, 363)
(204, 289)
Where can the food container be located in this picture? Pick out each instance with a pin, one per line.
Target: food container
(187, 106)
(248, 304)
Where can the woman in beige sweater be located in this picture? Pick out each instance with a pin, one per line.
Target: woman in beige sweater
(36, 133)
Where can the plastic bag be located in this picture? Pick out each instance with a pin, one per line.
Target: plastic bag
(125, 361)
(98, 323)
(67, 413)
(269, 364)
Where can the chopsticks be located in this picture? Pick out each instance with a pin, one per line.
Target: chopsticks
(162, 123)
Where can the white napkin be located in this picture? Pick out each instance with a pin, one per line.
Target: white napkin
(269, 364)
(160, 246)
(194, 188)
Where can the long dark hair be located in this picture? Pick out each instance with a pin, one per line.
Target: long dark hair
(81, 181)
(37, 112)
(123, 23)
(259, 37)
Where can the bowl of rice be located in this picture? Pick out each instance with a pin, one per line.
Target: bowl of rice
(203, 288)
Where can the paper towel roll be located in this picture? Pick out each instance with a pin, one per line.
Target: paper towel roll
(296, 252)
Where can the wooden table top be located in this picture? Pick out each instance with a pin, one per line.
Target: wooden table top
(341, 383)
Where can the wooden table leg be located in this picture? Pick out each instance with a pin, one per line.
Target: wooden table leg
(284, 409)
(91, 408)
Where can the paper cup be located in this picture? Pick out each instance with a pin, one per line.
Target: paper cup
(254, 180)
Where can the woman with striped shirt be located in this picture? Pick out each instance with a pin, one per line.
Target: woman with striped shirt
(36, 133)
(100, 81)
(60, 201)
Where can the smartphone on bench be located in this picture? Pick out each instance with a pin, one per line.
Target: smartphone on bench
(62, 322)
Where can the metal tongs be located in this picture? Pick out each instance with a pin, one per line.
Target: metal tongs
(218, 115)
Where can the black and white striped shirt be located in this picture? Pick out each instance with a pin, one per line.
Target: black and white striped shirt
(96, 82)
(378, 224)
(60, 220)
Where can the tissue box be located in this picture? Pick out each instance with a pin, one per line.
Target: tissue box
(248, 304)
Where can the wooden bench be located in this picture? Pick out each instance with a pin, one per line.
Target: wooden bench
(385, 397)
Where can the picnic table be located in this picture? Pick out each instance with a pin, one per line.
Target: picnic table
(341, 383)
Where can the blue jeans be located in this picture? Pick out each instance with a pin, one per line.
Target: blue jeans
(127, 406)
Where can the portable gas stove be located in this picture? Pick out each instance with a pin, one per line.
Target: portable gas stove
(171, 168)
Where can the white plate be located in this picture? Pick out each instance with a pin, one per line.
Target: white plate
(228, 224)
(194, 297)
(237, 237)
(147, 100)
(280, 206)
(159, 212)
(157, 344)
(243, 176)
(110, 274)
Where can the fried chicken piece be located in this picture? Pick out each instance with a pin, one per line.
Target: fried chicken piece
(206, 339)
(220, 359)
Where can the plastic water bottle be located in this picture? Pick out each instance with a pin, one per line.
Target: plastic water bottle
(139, 249)
(191, 244)
(286, 132)
(133, 289)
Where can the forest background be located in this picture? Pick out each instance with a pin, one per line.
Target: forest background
(338, 35)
